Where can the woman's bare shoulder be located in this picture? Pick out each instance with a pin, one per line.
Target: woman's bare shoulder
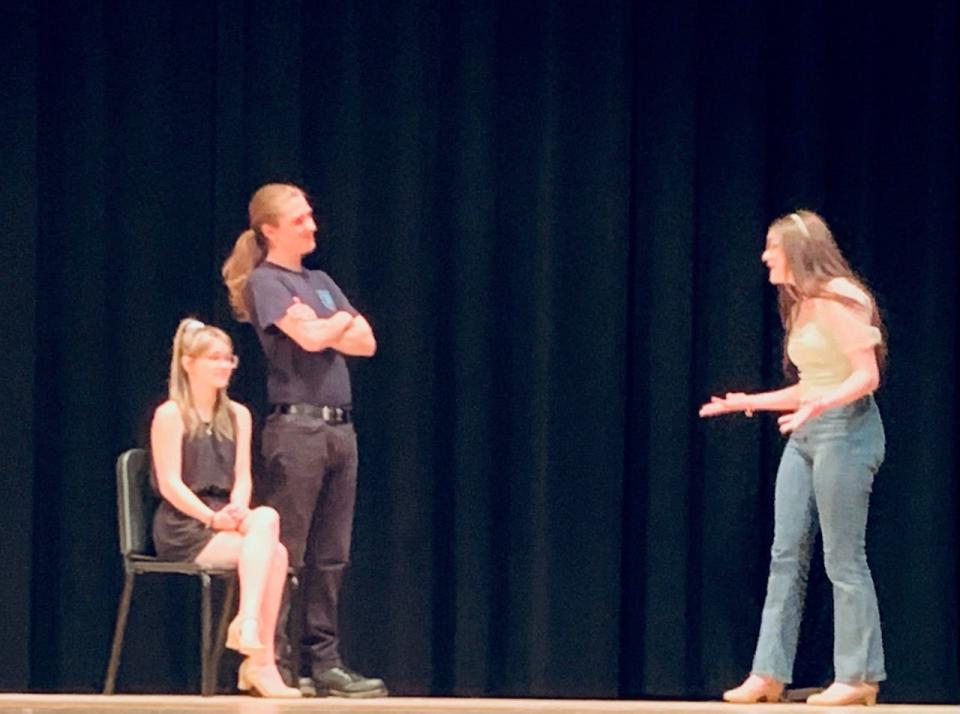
(849, 289)
(168, 415)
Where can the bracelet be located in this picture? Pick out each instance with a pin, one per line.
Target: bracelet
(213, 516)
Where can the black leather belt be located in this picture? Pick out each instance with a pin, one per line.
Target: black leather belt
(331, 415)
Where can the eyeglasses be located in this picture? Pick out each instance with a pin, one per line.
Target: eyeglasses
(231, 360)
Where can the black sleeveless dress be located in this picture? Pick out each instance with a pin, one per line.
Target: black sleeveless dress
(207, 463)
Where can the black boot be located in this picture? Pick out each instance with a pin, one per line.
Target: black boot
(321, 593)
(339, 681)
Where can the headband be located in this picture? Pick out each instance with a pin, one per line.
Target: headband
(800, 224)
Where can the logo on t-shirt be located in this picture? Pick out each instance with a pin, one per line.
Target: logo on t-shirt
(327, 299)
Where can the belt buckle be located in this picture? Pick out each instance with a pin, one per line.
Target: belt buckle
(328, 414)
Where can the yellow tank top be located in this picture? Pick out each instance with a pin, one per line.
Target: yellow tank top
(821, 342)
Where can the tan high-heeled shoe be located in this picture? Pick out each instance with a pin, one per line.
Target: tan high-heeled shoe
(250, 678)
(243, 635)
(841, 694)
(755, 689)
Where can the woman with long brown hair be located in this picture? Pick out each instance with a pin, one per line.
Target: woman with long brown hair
(200, 444)
(834, 338)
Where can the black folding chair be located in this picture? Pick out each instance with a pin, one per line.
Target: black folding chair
(136, 503)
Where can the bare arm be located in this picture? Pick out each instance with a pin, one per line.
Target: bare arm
(242, 481)
(166, 438)
(358, 340)
(781, 400)
(850, 328)
(315, 334)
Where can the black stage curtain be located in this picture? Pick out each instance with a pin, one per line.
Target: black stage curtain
(552, 213)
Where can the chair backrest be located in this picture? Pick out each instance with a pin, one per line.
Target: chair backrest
(136, 502)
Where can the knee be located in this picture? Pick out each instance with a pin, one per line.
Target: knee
(266, 518)
(846, 568)
(269, 514)
(784, 558)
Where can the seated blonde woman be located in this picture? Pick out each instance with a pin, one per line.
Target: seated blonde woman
(200, 442)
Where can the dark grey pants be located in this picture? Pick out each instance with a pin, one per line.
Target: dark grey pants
(311, 480)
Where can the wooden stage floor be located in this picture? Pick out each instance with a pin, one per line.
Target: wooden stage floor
(153, 704)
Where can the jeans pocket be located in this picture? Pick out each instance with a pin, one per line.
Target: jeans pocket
(870, 444)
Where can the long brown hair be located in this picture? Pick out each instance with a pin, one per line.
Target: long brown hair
(193, 339)
(814, 259)
(251, 246)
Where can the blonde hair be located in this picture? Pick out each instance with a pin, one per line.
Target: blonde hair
(814, 259)
(194, 339)
(251, 246)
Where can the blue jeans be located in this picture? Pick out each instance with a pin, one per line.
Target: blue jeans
(824, 480)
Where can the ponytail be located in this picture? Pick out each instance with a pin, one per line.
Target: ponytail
(179, 383)
(192, 339)
(247, 254)
(251, 247)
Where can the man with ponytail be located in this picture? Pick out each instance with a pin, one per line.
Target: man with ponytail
(306, 326)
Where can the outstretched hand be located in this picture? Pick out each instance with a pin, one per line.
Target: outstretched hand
(732, 402)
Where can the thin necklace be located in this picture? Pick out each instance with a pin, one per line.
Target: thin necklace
(207, 425)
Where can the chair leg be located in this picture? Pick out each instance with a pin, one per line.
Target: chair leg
(229, 597)
(207, 686)
(119, 631)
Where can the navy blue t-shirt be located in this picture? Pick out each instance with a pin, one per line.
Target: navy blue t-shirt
(294, 375)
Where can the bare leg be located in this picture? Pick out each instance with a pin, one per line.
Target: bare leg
(262, 569)
(261, 533)
(272, 597)
(253, 550)
(223, 551)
